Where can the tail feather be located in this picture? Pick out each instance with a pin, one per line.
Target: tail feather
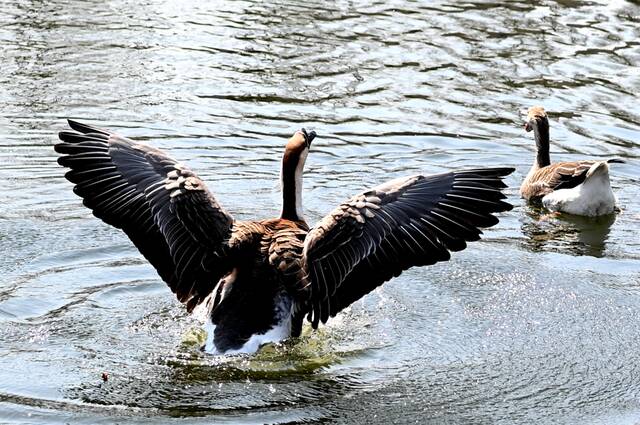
(599, 168)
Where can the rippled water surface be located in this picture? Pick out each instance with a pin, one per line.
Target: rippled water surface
(537, 323)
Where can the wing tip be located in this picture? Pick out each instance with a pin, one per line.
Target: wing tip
(85, 128)
(505, 206)
(503, 171)
(59, 148)
(490, 171)
(76, 125)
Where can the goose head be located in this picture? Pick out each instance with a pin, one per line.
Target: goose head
(295, 155)
(538, 122)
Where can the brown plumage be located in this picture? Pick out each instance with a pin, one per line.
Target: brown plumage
(541, 181)
(544, 177)
(259, 279)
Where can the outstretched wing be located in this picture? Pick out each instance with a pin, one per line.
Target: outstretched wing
(162, 206)
(412, 221)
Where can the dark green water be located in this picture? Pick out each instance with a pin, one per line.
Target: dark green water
(537, 323)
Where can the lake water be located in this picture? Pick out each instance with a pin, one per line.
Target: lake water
(537, 323)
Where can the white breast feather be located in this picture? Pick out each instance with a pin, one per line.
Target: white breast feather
(279, 332)
(276, 334)
(592, 198)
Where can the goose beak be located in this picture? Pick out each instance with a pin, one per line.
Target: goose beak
(527, 126)
(308, 136)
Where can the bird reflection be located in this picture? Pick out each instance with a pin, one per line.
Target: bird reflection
(578, 235)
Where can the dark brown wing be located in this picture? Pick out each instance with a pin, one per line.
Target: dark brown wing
(413, 221)
(162, 206)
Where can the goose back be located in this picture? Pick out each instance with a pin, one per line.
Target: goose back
(541, 181)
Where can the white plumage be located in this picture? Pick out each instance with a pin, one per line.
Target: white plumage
(592, 198)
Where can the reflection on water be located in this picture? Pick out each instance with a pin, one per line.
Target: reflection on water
(547, 231)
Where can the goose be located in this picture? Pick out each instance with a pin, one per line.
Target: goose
(577, 187)
(259, 280)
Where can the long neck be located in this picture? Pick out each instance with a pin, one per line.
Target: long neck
(291, 180)
(541, 134)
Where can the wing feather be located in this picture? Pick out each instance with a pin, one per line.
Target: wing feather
(162, 206)
(561, 175)
(407, 222)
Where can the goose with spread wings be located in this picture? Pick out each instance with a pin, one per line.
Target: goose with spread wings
(575, 187)
(260, 280)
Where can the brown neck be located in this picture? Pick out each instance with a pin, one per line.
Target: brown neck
(291, 180)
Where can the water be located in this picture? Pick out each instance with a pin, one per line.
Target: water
(537, 323)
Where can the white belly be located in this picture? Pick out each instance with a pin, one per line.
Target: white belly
(278, 333)
(592, 198)
(572, 201)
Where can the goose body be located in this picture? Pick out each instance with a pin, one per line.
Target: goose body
(259, 280)
(592, 198)
(577, 187)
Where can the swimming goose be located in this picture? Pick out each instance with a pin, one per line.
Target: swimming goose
(260, 279)
(578, 187)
